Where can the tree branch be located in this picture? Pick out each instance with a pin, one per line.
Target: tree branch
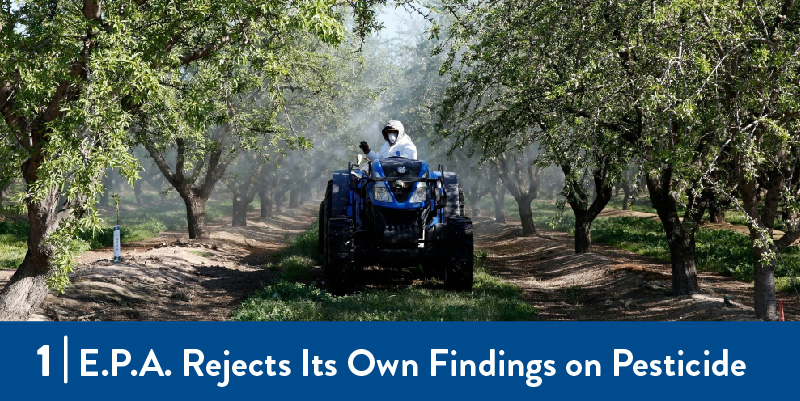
(92, 9)
(162, 164)
(216, 169)
(204, 51)
(9, 111)
(210, 48)
(180, 159)
(788, 239)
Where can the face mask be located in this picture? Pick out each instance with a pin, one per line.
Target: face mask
(392, 138)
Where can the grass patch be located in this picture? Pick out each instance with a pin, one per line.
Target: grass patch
(298, 258)
(304, 245)
(492, 299)
(721, 251)
(13, 243)
(136, 231)
(138, 224)
(169, 212)
(637, 234)
(287, 300)
(296, 267)
(641, 204)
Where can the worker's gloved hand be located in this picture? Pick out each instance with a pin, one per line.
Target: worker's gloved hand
(364, 147)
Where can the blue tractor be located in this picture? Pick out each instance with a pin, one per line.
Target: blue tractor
(398, 213)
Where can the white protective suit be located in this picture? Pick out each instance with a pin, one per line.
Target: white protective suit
(404, 147)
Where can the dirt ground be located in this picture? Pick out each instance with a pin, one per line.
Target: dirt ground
(609, 283)
(173, 278)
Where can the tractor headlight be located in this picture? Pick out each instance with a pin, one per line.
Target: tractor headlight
(421, 193)
(380, 193)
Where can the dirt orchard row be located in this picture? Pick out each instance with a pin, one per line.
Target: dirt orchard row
(609, 283)
(172, 278)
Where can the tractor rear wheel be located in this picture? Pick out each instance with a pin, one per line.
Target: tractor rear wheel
(339, 263)
(455, 196)
(324, 215)
(458, 273)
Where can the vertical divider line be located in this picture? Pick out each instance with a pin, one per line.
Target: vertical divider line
(66, 355)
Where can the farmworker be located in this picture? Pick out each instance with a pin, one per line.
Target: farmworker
(398, 144)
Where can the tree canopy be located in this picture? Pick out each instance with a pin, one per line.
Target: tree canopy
(701, 94)
(75, 75)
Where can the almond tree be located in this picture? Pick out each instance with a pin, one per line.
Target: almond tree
(520, 175)
(705, 92)
(243, 184)
(74, 76)
(574, 77)
(522, 74)
(588, 155)
(754, 76)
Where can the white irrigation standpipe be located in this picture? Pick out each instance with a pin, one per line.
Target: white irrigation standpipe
(117, 243)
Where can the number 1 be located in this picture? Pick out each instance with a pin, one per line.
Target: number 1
(44, 351)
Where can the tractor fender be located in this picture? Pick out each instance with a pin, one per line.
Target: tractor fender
(340, 193)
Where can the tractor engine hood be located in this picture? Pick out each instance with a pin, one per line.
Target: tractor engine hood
(400, 183)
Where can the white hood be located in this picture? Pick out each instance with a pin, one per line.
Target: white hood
(404, 147)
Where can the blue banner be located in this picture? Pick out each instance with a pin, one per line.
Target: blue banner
(220, 360)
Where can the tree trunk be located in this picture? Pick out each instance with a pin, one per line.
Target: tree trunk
(522, 180)
(681, 240)
(583, 234)
(266, 204)
(499, 211)
(765, 301)
(194, 195)
(498, 198)
(279, 196)
(239, 218)
(578, 199)
(526, 217)
(137, 192)
(684, 264)
(306, 195)
(294, 197)
(627, 199)
(196, 215)
(474, 196)
(716, 214)
(3, 191)
(682, 255)
(762, 222)
(28, 286)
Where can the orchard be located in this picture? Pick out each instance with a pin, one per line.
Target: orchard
(614, 160)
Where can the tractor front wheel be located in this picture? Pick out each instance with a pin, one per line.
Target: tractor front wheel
(459, 247)
(340, 270)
